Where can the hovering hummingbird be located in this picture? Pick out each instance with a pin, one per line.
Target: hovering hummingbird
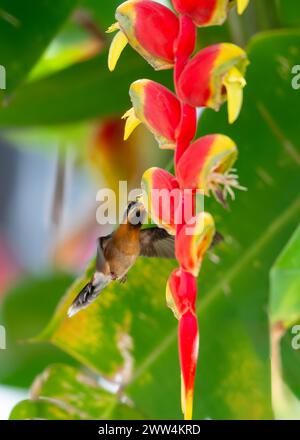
(118, 252)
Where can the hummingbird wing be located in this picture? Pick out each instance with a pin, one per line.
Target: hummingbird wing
(99, 281)
(100, 259)
(156, 242)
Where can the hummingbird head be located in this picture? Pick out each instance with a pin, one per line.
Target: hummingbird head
(135, 213)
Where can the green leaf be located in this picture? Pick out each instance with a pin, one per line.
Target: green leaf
(66, 393)
(79, 92)
(26, 29)
(285, 284)
(103, 11)
(24, 311)
(233, 380)
(284, 312)
(289, 12)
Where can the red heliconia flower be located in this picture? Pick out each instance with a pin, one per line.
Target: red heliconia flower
(158, 108)
(211, 77)
(181, 292)
(192, 242)
(150, 28)
(181, 297)
(208, 12)
(215, 74)
(207, 164)
(188, 341)
(162, 196)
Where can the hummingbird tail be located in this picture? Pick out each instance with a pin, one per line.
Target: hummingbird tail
(86, 296)
(82, 300)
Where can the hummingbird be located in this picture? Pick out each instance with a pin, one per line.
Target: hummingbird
(118, 252)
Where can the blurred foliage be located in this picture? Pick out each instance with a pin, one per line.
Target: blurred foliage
(285, 284)
(284, 312)
(26, 29)
(79, 92)
(129, 335)
(65, 393)
(289, 12)
(24, 312)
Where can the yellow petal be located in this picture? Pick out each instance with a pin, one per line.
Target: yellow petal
(131, 123)
(188, 413)
(113, 28)
(234, 83)
(116, 48)
(242, 5)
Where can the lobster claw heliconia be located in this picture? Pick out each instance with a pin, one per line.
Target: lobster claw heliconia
(193, 241)
(208, 12)
(150, 28)
(162, 195)
(215, 74)
(206, 165)
(156, 107)
(181, 297)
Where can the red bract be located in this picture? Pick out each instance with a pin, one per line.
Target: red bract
(181, 292)
(207, 166)
(208, 12)
(214, 75)
(192, 242)
(158, 108)
(211, 77)
(188, 352)
(164, 197)
(150, 28)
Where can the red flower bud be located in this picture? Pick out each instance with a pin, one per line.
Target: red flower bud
(214, 75)
(150, 28)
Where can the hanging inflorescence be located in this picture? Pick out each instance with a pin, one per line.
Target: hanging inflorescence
(167, 40)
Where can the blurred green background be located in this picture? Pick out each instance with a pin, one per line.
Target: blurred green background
(60, 141)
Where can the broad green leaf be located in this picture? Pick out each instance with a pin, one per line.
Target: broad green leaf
(26, 29)
(25, 310)
(39, 409)
(63, 392)
(284, 312)
(117, 312)
(285, 284)
(290, 356)
(72, 44)
(83, 91)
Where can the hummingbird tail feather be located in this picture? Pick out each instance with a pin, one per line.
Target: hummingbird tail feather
(81, 301)
(86, 296)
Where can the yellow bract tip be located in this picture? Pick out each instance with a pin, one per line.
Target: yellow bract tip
(188, 413)
(242, 5)
(234, 83)
(113, 28)
(117, 46)
(131, 123)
